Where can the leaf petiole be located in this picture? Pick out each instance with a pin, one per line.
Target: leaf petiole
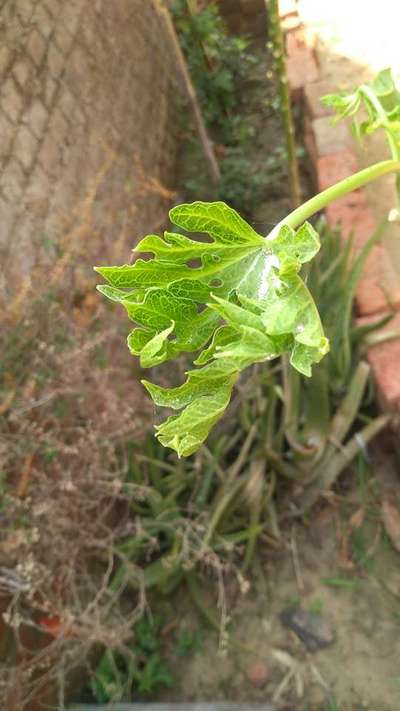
(343, 187)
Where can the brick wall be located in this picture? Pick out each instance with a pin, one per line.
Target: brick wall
(86, 109)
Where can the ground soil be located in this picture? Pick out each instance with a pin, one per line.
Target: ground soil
(340, 564)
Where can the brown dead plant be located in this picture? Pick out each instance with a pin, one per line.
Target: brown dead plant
(70, 403)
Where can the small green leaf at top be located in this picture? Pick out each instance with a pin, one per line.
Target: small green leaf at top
(232, 297)
(381, 100)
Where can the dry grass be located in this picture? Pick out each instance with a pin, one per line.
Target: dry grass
(69, 404)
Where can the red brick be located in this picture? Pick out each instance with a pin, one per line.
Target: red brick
(384, 359)
(354, 217)
(331, 139)
(380, 285)
(379, 288)
(335, 167)
(301, 66)
(313, 94)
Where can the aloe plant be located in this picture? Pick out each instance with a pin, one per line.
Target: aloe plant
(235, 299)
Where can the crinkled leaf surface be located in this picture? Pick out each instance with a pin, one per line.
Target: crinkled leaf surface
(235, 294)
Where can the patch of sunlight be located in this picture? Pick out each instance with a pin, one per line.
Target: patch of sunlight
(365, 32)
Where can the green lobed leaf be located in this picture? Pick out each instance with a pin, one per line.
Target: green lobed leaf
(238, 296)
(380, 98)
(344, 104)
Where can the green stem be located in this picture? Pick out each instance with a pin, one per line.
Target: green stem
(320, 201)
(393, 144)
(376, 104)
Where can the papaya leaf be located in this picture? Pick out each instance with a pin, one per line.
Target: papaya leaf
(344, 104)
(380, 98)
(236, 299)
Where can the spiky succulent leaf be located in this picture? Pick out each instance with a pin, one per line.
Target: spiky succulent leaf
(237, 295)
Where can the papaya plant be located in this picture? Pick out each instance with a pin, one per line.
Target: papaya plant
(234, 298)
(381, 101)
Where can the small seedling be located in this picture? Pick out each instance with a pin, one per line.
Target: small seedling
(361, 550)
(49, 451)
(117, 676)
(316, 606)
(188, 642)
(344, 583)
(332, 705)
(290, 602)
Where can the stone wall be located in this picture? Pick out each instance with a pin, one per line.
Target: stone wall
(87, 124)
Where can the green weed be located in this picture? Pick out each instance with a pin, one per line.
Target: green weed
(140, 670)
(316, 606)
(188, 642)
(220, 64)
(361, 550)
(344, 583)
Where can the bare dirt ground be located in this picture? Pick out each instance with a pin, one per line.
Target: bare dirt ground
(340, 565)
